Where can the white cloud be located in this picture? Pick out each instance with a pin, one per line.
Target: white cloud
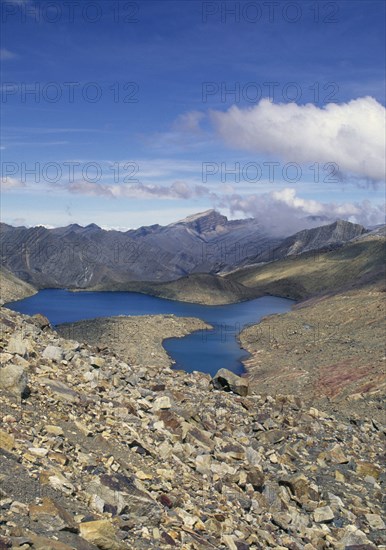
(6, 54)
(188, 122)
(350, 134)
(177, 190)
(283, 212)
(185, 133)
(7, 183)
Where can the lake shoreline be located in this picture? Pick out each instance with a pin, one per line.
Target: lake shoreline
(137, 339)
(107, 318)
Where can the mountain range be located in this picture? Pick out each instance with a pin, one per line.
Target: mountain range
(88, 257)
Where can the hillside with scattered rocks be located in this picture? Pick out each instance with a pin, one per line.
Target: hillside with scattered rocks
(330, 350)
(100, 453)
(198, 288)
(12, 288)
(137, 339)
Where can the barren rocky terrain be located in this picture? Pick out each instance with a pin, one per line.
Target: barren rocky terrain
(12, 288)
(330, 350)
(103, 446)
(138, 340)
(99, 453)
(198, 288)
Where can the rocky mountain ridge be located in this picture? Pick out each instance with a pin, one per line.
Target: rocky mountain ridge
(325, 237)
(81, 257)
(332, 269)
(86, 257)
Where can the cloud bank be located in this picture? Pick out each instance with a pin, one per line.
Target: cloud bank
(177, 190)
(280, 212)
(350, 134)
(8, 183)
(284, 212)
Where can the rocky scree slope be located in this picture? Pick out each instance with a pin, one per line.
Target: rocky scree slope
(331, 350)
(97, 453)
(12, 288)
(137, 339)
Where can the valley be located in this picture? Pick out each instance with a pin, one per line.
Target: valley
(104, 446)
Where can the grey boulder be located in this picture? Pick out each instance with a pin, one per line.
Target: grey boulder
(226, 380)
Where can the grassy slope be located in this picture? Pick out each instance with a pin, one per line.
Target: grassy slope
(298, 277)
(200, 288)
(356, 264)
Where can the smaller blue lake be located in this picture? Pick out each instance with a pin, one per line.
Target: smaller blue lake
(204, 350)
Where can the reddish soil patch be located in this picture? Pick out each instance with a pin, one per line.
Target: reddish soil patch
(334, 379)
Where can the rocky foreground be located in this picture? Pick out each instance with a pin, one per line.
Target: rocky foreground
(99, 453)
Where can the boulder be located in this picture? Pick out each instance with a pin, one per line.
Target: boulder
(62, 391)
(17, 344)
(323, 514)
(364, 469)
(355, 539)
(226, 380)
(256, 478)
(120, 494)
(13, 378)
(52, 516)
(102, 534)
(375, 521)
(41, 321)
(54, 353)
(7, 441)
(161, 403)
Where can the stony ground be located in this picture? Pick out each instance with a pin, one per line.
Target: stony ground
(330, 350)
(99, 453)
(138, 340)
(12, 288)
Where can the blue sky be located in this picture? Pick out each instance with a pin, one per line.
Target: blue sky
(134, 121)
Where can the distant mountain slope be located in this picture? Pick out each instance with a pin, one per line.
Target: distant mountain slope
(12, 288)
(331, 235)
(199, 288)
(82, 257)
(88, 257)
(354, 264)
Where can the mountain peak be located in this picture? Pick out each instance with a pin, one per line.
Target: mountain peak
(92, 226)
(204, 221)
(198, 215)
